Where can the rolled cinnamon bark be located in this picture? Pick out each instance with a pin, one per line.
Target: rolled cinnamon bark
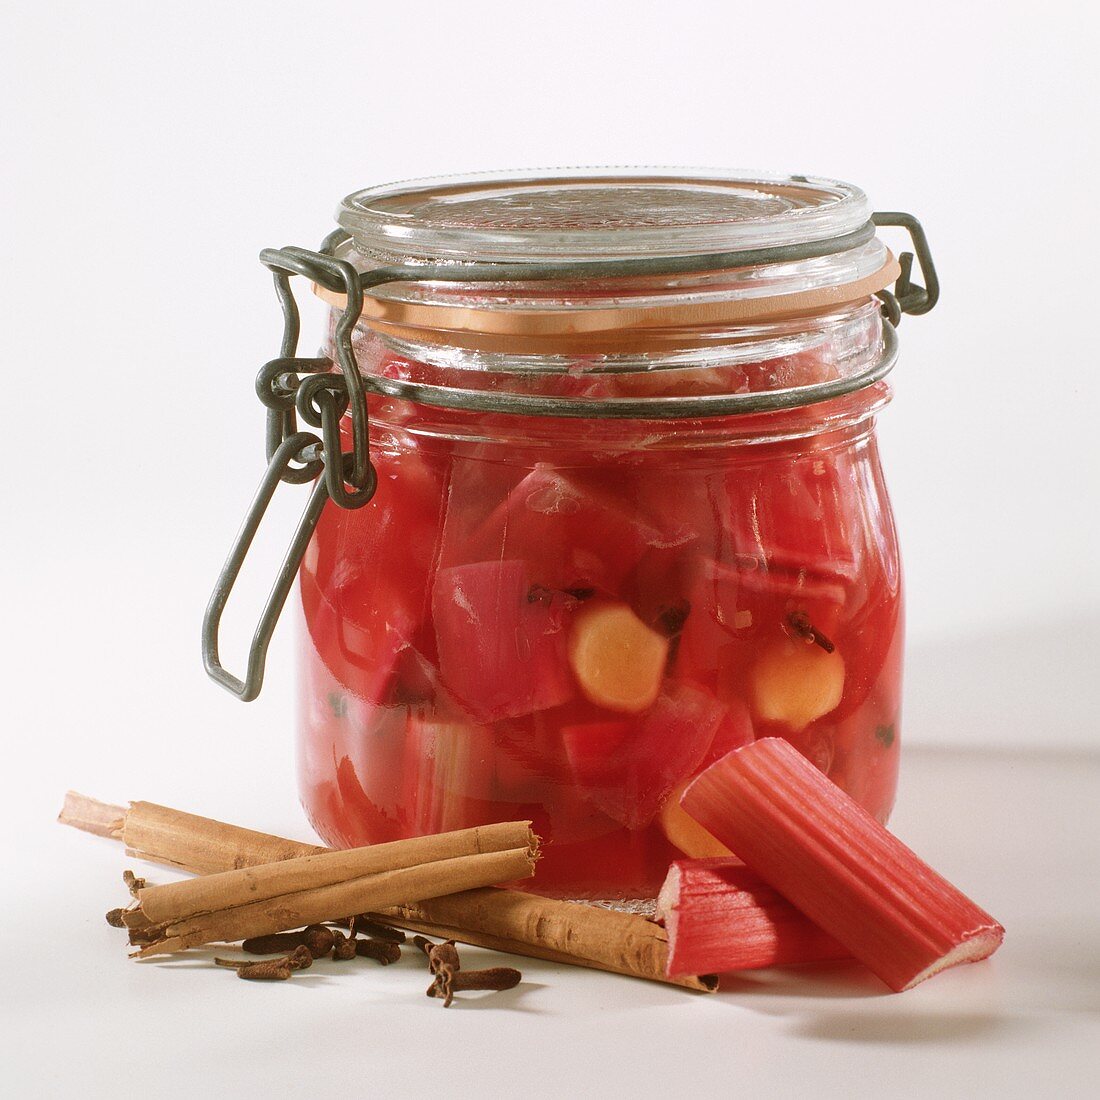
(504, 920)
(178, 925)
(545, 928)
(248, 885)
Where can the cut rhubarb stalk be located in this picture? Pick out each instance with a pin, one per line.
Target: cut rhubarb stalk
(501, 652)
(795, 681)
(361, 821)
(618, 660)
(719, 913)
(829, 857)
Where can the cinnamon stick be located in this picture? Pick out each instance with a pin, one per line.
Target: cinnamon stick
(571, 933)
(227, 889)
(257, 901)
(177, 839)
(545, 928)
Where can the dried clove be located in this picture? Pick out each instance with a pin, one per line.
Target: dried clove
(270, 970)
(367, 927)
(800, 624)
(443, 956)
(422, 943)
(671, 619)
(343, 947)
(133, 883)
(580, 594)
(448, 982)
(316, 937)
(380, 950)
(539, 593)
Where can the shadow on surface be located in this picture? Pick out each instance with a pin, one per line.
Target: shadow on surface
(893, 1028)
(841, 980)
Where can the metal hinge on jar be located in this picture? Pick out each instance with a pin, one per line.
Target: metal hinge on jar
(321, 391)
(907, 296)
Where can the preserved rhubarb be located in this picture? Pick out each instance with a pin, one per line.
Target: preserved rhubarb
(830, 858)
(552, 611)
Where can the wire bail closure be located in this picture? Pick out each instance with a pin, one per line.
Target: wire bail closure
(308, 386)
(321, 391)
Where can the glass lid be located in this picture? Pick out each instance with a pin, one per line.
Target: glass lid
(588, 214)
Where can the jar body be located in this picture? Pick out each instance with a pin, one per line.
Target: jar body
(462, 657)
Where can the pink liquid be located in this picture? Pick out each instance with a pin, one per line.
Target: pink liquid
(437, 688)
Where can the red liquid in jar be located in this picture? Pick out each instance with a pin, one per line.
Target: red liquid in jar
(440, 681)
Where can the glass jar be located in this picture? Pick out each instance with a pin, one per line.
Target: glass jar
(629, 511)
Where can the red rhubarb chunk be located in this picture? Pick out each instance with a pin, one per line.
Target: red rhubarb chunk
(740, 604)
(365, 657)
(831, 859)
(364, 605)
(501, 649)
(596, 753)
(721, 916)
(572, 534)
(800, 515)
(447, 775)
(628, 769)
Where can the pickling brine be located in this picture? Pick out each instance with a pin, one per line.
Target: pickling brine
(568, 631)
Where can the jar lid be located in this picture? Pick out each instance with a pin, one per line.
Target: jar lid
(579, 215)
(703, 253)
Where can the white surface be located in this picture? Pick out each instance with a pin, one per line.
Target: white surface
(152, 151)
(1018, 832)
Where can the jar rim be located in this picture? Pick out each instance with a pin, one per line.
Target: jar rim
(591, 214)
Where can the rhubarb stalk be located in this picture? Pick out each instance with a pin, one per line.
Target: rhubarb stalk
(828, 856)
(721, 916)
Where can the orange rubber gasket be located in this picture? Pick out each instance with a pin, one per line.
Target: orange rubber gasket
(535, 331)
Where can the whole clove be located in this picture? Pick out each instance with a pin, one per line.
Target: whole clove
(422, 943)
(270, 970)
(316, 937)
(343, 947)
(670, 620)
(448, 982)
(367, 927)
(443, 956)
(379, 950)
(800, 624)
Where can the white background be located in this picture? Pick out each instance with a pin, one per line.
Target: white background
(150, 151)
